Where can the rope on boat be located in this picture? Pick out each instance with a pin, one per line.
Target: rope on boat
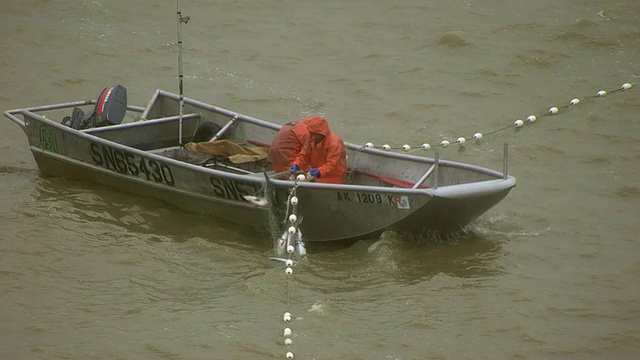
(287, 246)
(286, 316)
(516, 124)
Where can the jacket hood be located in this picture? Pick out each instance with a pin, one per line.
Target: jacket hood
(318, 125)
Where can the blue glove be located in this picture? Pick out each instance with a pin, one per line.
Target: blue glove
(314, 172)
(294, 168)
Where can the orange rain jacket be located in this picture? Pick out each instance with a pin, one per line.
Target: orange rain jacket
(287, 143)
(328, 155)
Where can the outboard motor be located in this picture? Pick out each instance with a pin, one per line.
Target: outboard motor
(110, 109)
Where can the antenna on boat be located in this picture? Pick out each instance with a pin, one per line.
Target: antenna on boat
(181, 20)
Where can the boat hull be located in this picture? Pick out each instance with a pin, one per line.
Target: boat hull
(134, 158)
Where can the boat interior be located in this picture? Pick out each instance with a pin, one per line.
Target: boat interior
(161, 128)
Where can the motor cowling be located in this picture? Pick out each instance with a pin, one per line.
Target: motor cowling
(110, 109)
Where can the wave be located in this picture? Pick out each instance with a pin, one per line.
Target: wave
(453, 39)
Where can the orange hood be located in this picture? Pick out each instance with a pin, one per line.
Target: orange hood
(318, 125)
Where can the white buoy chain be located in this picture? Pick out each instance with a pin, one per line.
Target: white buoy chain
(516, 124)
(292, 230)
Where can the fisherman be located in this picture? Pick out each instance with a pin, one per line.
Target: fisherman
(323, 156)
(287, 144)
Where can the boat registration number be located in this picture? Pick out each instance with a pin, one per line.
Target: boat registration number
(127, 163)
(229, 189)
(402, 202)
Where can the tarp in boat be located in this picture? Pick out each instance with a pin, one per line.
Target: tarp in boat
(236, 153)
